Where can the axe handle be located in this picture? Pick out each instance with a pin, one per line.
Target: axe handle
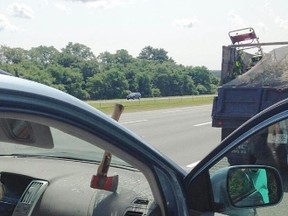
(106, 160)
(118, 109)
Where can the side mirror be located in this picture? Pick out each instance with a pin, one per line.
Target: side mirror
(246, 187)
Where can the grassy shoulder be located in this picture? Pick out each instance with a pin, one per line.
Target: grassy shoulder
(146, 104)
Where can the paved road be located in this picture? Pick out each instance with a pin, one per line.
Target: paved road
(183, 134)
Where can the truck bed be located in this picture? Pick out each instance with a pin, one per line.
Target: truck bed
(233, 106)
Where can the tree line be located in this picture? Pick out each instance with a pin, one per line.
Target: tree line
(76, 70)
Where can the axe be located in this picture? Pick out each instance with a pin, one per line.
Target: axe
(101, 180)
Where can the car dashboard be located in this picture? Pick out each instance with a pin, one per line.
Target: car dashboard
(45, 186)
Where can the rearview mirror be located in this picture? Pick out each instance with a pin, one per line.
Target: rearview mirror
(23, 132)
(19, 129)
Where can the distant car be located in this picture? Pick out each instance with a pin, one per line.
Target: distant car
(5, 73)
(134, 95)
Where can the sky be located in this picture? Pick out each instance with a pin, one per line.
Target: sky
(192, 32)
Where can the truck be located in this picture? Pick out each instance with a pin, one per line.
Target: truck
(251, 81)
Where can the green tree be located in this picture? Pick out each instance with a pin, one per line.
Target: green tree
(202, 78)
(111, 84)
(69, 80)
(106, 60)
(74, 54)
(88, 68)
(43, 55)
(12, 55)
(29, 70)
(156, 92)
(150, 53)
(161, 81)
(79, 50)
(144, 84)
(96, 86)
(122, 57)
(130, 76)
(188, 86)
(68, 60)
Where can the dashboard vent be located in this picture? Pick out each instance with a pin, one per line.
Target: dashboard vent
(133, 213)
(29, 198)
(31, 193)
(141, 201)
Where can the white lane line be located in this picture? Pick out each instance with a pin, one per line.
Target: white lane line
(193, 164)
(176, 110)
(171, 111)
(135, 121)
(202, 124)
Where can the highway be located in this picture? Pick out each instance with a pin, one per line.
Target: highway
(183, 134)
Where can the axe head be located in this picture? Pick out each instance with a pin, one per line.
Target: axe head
(104, 182)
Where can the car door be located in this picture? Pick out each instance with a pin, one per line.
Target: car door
(260, 142)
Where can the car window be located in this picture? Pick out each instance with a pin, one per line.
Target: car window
(65, 146)
(268, 146)
(71, 164)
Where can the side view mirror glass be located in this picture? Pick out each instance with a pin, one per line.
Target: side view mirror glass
(242, 188)
(252, 186)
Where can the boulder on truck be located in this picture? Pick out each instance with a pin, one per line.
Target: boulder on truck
(250, 82)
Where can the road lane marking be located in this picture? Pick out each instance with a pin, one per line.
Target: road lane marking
(176, 110)
(171, 111)
(192, 164)
(135, 121)
(202, 124)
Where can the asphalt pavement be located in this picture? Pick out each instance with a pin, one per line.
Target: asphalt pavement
(183, 134)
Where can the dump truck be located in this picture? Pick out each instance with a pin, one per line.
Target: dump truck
(250, 82)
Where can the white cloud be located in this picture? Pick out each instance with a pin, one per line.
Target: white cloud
(84, 1)
(267, 4)
(63, 8)
(21, 10)
(5, 25)
(261, 28)
(103, 3)
(236, 20)
(282, 23)
(186, 22)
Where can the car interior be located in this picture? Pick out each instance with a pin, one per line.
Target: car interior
(47, 168)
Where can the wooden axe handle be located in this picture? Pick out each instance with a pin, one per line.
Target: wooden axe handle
(106, 160)
(118, 109)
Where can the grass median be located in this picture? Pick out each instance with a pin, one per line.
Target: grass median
(146, 104)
